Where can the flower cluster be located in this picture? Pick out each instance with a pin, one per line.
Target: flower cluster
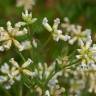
(10, 74)
(56, 33)
(75, 32)
(87, 53)
(8, 36)
(68, 73)
(27, 17)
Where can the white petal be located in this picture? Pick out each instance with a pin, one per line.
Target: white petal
(46, 25)
(27, 63)
(34, 20)
(4, 36)
(34, 43)
(20, 24)
(27, 72)
(21, 33)
(15, 64)
(9, 27)
(15, 72)
(56, 23)
(7, 44)
(71, 41)
(18, 77)
(1, 48)
(65, 37)
(5, 68)
(18, 45)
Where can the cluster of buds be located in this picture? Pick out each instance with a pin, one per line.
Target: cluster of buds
(27, 17)
(56, 33)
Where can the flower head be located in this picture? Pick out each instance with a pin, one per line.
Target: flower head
(7, 78)
(87, 53)
(27, 17)
(75, 32)
(21, 69)
(7, 37)
(56, 33)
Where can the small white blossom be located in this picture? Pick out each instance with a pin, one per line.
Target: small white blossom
(21, 69)
(76, 33)
(46, 25)
(87, 52)
(1, 48)
(5, 68)
(56, 33)
(7, 78)
(7, 37)
(79, 35)
(27, 17)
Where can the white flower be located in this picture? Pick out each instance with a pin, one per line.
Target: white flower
(79, 35)
(27, 17)
(7, 37)
(56, 33)
(76, 33)
(44, 74)
(7, 78)
(20, 24)
(87, 53)
(46, 25)
(21, 69)
(28, 4)
(47, 93)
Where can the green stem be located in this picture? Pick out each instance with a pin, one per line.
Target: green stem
(21, 55)
(29, 37)
(71, 64)
(20, 94)
(46, 43)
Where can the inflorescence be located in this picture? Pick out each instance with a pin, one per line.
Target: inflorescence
(50, 80)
